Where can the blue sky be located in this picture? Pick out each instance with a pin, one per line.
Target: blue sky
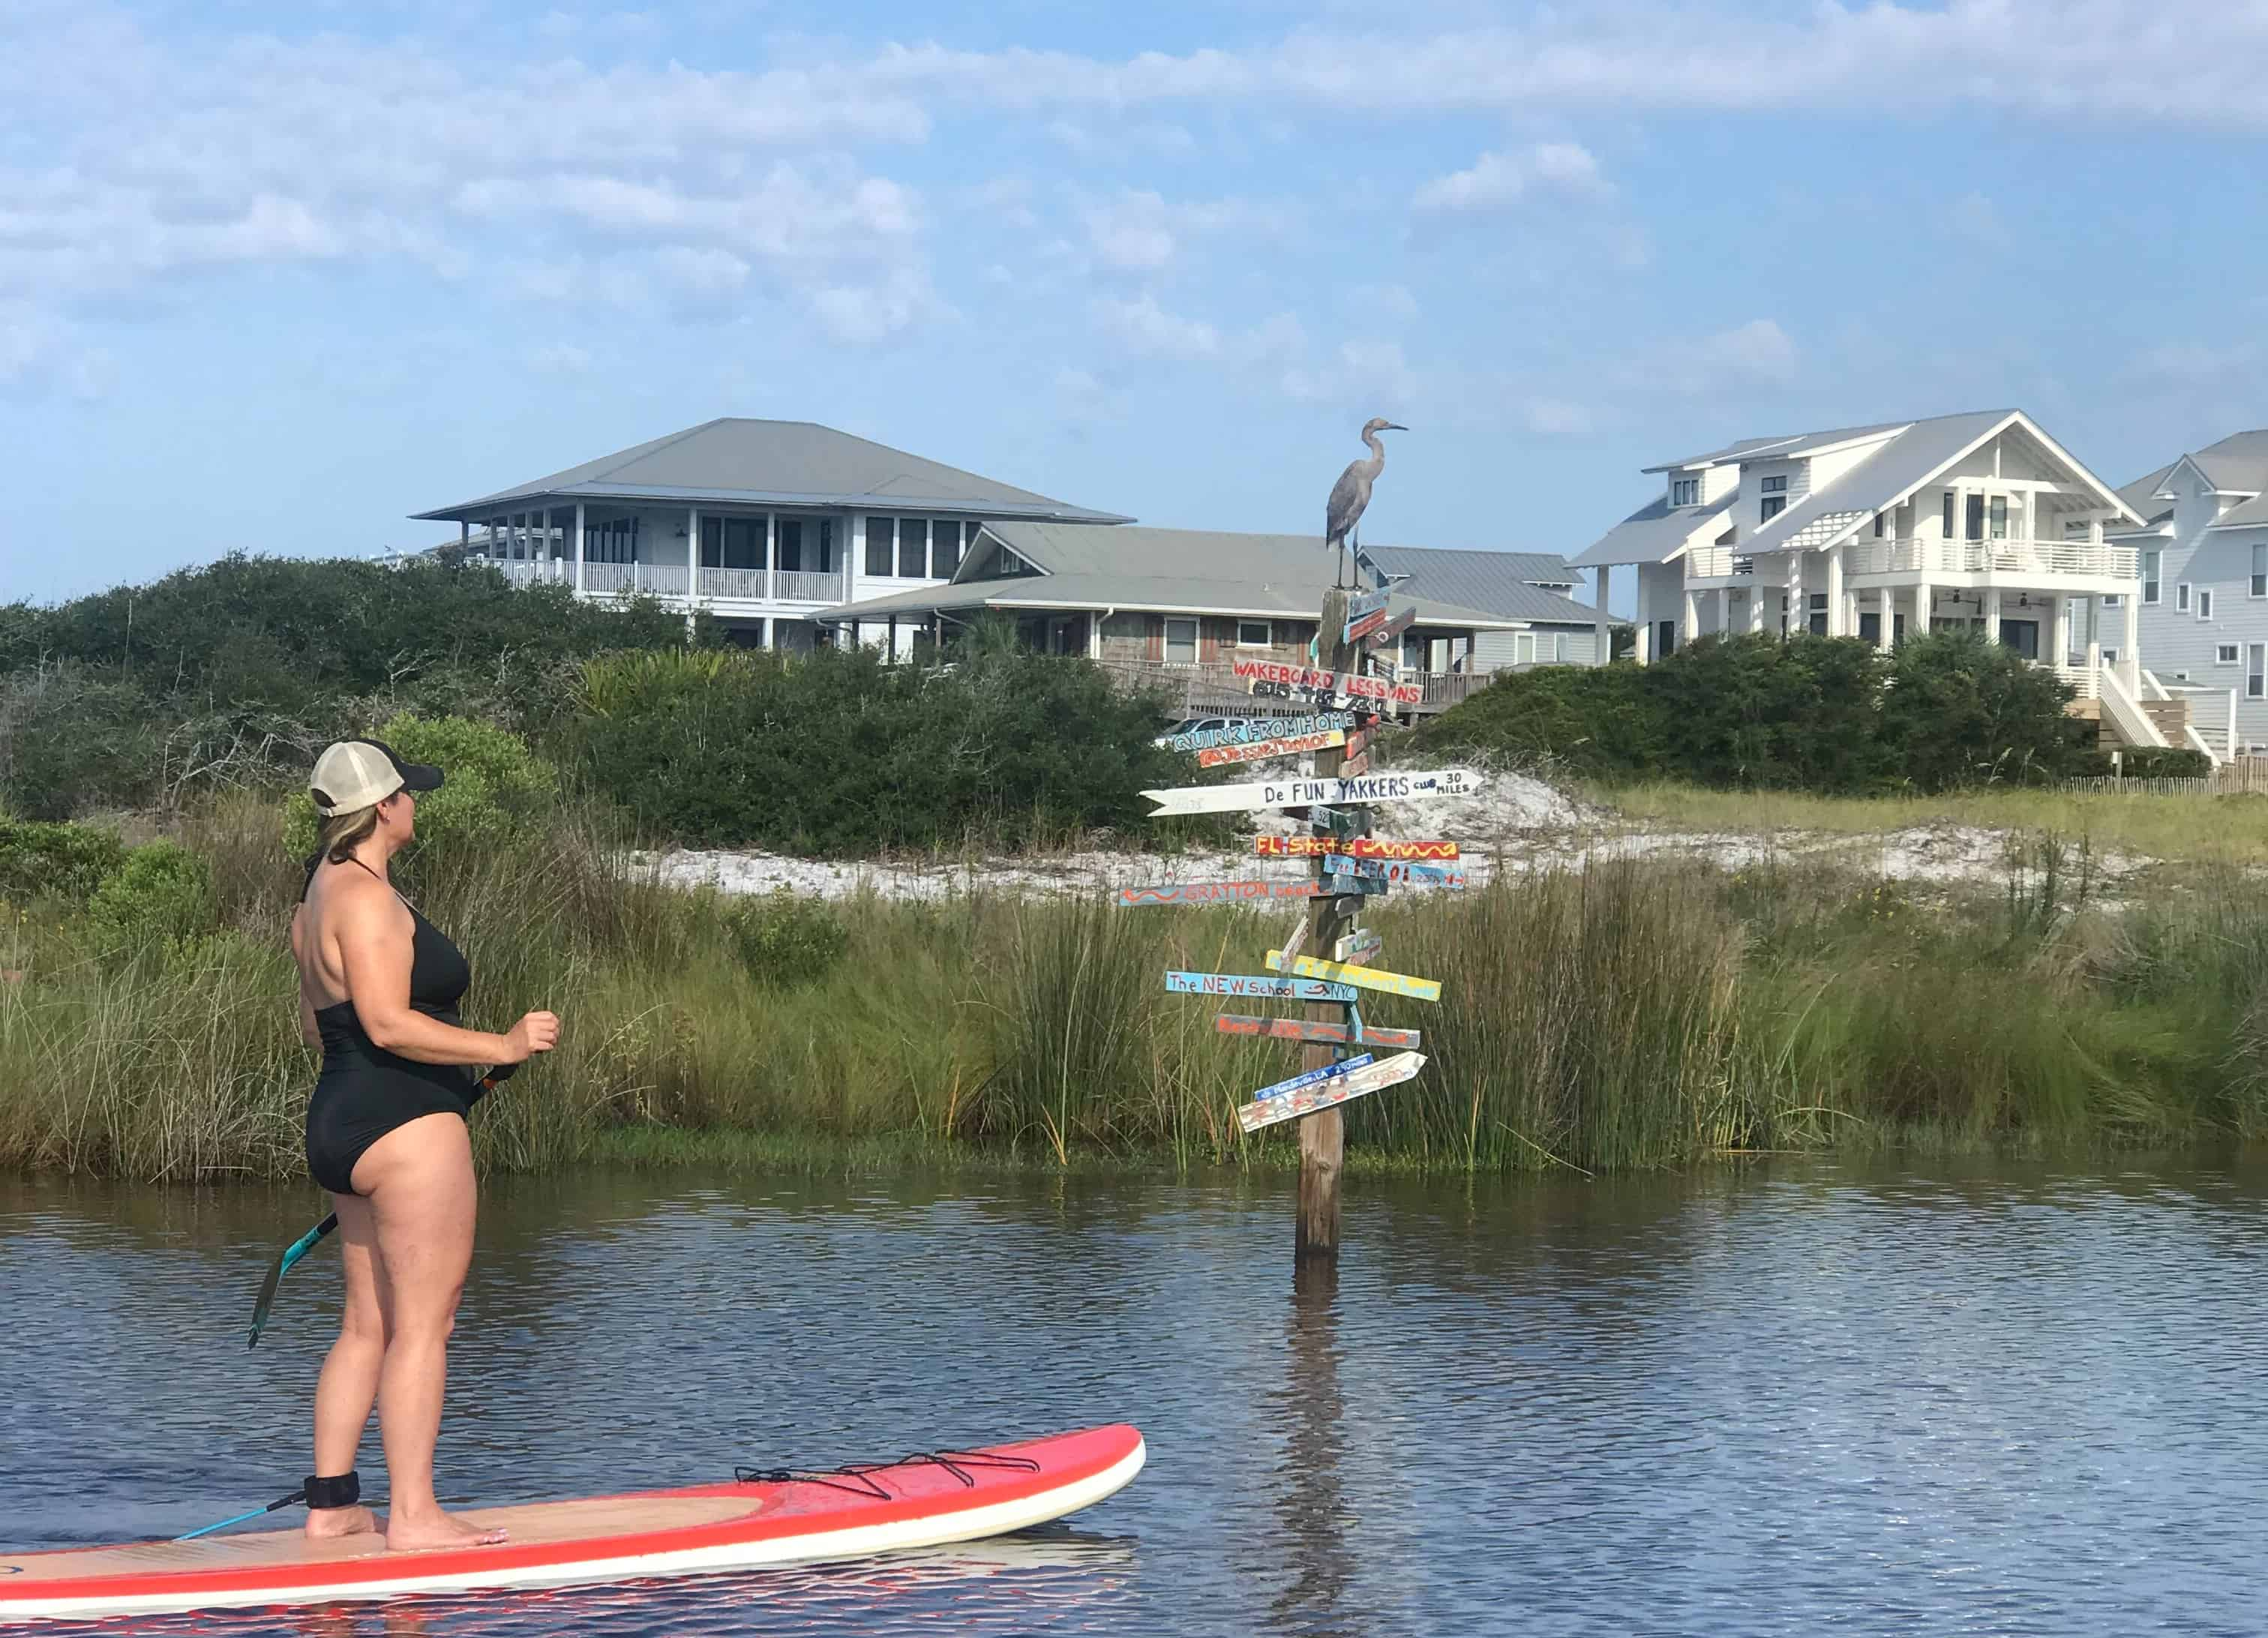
(274, 276)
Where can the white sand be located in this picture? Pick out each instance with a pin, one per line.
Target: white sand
(1515, 823)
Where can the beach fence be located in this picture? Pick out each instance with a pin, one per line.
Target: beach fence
(2245, 776)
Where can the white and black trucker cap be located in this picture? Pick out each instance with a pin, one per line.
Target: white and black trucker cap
(358, 773)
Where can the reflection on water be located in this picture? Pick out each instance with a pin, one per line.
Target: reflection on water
(2002, 1399)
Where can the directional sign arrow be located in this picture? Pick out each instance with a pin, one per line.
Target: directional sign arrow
(1370, 787)
(1376, 1077)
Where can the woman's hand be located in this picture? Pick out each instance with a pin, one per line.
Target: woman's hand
(535, 1032)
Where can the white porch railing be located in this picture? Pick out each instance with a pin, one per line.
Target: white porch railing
(744, 583)
(1717, 563)
(607, 580)
(793, 586)
(1925, 556)
(532, 571)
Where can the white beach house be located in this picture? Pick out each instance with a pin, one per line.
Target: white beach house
(1978, 520)
(2203, 544)
(763, 524)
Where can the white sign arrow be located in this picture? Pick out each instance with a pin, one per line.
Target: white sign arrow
(1369, 787)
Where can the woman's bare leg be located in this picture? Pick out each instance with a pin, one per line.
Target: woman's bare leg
(419, 1182)
(348, 1385)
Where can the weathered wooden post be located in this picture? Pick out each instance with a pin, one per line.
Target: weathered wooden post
(1322, 1135)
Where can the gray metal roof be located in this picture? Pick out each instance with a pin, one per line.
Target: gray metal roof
(781, 463)
(1132, 567)
(2142, 493)
(1746, 446)
(2248, 514)
(1503, 581)
(1655, 532)
(2236, 465)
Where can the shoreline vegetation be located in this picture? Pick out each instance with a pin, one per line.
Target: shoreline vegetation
(1624, 1013)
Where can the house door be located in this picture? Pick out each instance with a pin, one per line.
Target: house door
(2023, 636)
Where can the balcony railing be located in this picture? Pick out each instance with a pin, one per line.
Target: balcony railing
(742, 583)
(2096, 559)
(607, 580)
(794, 585)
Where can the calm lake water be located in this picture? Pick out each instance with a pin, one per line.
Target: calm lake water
(1798, 1399)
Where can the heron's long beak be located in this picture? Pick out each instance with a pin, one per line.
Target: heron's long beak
(1395, 426)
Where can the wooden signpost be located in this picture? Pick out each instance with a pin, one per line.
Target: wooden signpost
(1258, 890)
(1315, 1034)
(1347, 868)
(1325, 790)
(1357, 948)
(1260, 729)
(1392, 870)
(1358, 847)
(1265, 751)
(1270, 985)
(1362, 977)
(1392, 629)
(1339, 1085)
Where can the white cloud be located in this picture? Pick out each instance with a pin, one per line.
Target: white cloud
(1361, 377)
(1497, 180)
(1141, 325)
(1757, 352)
(560, 358)
(1140, 230)
(862, 314)
(1556, 417)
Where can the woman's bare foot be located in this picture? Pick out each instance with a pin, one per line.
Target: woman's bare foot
(435, 1530)
(324, 1523)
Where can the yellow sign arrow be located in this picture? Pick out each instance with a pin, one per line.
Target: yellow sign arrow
(1368, 978)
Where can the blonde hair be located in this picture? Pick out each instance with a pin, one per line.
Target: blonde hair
(341, 833)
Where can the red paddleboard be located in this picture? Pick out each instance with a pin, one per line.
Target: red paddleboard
(746, 1524)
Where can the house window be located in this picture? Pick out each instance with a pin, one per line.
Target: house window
(1882, 525)
(2150, 577)
(1818, 621)
(947, 541)
(1180, 642)
(790, 531)
(1665, 637)
(1946, 530)
(1771, 507)
(2204, 602)
(1999, 516)
(2224, 653)
(881, 544)
(2260, 571)
(2182, 597)
(1523, 649)
(2256, 670)
(1973, 523)
(1252, 634)
(2110, 656)
(1685, 491)
(913, 547)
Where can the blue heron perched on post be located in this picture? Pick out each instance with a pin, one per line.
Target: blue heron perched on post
(1352, 493)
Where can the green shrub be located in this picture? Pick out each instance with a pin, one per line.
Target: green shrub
(1805, 712)
(785, 940)
(497, 791)
(64, 861)
(71, 740)
(159, 899)
(839, 752)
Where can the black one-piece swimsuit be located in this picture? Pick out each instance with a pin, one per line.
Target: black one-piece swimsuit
(365, 1091)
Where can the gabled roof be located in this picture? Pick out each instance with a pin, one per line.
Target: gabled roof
(1134, 568)
(1656, 532)
(1501, 581)
(2248, 514)
(1891, 473)
(787, 463)
(2141, 496)
(1787, 448)
(2238, 465)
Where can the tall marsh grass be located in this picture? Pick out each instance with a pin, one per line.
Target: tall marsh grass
(1629, 1014)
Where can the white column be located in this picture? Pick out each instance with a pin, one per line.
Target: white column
(2062, 632)
(1835, 593)
(2232, 721)
(1799, 611)
(579, 546)
(2130, 646)
(1692, 620)
(1724, 611)
(1886, 619)
(771, 565)
(693, 565)
(1991, 614)
(1606, 640)
(1642, 651)
(2094, 648)
(1755, 604)
(1925, 598)
(854, 558)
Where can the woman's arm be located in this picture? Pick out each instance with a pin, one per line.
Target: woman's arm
(307, 1031)
(376, 938)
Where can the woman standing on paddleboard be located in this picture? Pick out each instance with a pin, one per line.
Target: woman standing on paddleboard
(379, 989)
